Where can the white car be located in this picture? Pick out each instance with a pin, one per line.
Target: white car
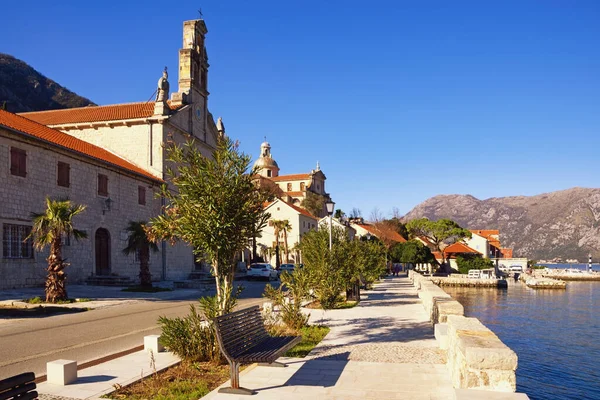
(262, 270)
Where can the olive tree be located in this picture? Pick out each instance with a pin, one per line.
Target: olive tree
(214, 206)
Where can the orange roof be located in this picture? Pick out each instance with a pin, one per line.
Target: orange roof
(301, 211)
(60, 139)
(459, 248)
(293, 177)
(113, 112)
(488, 234)
(391, 234)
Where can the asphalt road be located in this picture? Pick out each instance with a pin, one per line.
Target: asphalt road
(28, 344)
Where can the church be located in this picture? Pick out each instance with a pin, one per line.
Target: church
(109, 158)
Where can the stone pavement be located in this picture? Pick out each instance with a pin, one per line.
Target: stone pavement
(100, 379)
(381, 349)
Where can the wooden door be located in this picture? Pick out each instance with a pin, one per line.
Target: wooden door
(102, 252)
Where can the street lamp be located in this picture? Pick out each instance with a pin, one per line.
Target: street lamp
(330, 205)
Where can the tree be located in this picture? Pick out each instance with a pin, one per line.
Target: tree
(281, 227)
(440, 232)
(313, 203)
(413, 252)
(49, 228)
(215, 207)
(339, 214)
(139, 243)
(355, 213)
(285, 228)
(467, 262)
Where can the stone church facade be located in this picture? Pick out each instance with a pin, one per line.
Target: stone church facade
(115, 160)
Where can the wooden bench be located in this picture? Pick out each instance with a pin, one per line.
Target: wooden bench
(20, 387)
(243, 338)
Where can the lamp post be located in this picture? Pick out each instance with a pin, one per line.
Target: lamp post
(330, 205)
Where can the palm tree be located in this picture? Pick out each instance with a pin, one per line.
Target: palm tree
(277, 227)
(138, 243)
(49, 228)
(285, 228)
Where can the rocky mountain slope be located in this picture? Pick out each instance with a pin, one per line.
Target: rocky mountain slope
(562, 224)
(22, 89)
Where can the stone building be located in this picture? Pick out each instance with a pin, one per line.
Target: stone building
(293, 188)
(131, 136)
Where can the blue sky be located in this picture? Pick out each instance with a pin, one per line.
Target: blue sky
(397, 100)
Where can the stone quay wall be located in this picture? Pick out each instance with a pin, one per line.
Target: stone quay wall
(476, 357)
(461, 280)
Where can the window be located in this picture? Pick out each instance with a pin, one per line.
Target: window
(302, 186)
(14, 244)
(102, 185)
(18, 162)
(141, 195)
(269, 173)
(289, 187)
(63, 174)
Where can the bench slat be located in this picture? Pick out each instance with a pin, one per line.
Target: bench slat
(16, 380)
(16, 391)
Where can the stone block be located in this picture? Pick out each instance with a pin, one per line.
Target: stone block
(441, 335)
(152, 343)
(61, 372)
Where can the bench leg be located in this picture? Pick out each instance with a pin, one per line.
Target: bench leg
(235, 388)
(273, 364)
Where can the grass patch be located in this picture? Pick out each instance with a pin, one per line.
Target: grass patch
(34, 300)
(311, 336)
(139, 289)
(186, 381)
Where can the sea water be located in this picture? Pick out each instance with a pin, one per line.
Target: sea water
(555, 333)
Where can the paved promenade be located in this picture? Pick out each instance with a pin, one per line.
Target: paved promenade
(381, 349)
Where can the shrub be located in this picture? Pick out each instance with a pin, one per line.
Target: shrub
(192, 337)
(289, 296)
(468, 262)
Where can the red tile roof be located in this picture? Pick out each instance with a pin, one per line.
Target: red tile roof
(461, 248)
(113, 112)
(302, 211)
(489, 235)
(299, 209)
(28, 127)
(391, 234)
(293, 177)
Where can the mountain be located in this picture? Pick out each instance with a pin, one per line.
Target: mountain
(563, 224)
(25, 89)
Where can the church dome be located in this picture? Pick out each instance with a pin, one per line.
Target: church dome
(266, 162)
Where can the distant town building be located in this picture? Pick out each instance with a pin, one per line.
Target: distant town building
(293, 188)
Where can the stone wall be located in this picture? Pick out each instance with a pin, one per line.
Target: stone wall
(477, 358)
(22, 195)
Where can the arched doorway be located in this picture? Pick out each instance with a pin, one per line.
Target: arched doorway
(102, 240)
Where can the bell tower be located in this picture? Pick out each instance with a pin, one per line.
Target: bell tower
(193, 67)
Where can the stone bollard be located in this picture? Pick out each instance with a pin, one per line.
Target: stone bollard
(61, 372)
(152, 343)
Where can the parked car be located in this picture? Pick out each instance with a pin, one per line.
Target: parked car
(516, 268)
(287, 268)
(262, 270)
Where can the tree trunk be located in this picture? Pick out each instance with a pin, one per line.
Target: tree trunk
(55, 281)
(285, 243)
(254, 248)
(145, 276)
